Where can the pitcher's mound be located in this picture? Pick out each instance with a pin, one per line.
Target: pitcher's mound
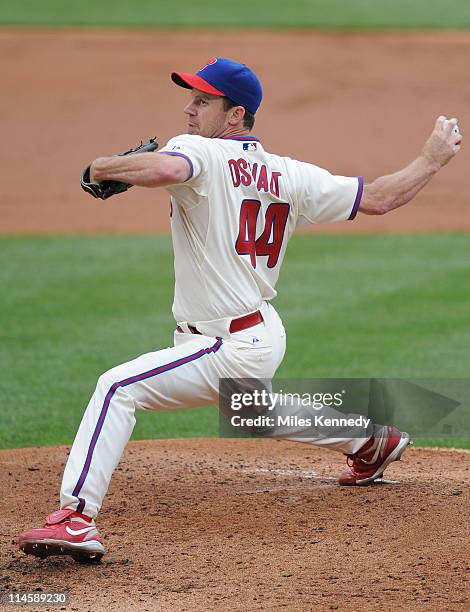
(211, 524)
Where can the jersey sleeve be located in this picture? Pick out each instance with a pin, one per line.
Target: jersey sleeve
(323, 197)
(192, 149)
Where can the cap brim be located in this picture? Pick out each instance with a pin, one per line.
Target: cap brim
(193, 81)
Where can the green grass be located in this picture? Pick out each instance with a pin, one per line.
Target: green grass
(246, 13)
(354, 306)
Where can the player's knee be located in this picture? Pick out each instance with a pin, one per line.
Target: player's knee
(105, 381)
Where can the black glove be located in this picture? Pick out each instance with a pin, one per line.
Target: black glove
(106, 189)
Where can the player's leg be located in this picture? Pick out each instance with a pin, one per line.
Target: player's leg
(369, 449)
(177, 377)
(182, 376)
(270, 340)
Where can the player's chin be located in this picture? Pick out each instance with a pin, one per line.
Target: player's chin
(192, 129)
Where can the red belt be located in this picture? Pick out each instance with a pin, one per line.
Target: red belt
(236, 325)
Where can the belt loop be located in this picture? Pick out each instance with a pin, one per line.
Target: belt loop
(186, 328)
(183, 327)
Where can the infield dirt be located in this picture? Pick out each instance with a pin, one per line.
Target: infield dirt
(212, 524)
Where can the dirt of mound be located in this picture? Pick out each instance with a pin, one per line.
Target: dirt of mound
(251, 525)
(354, 103)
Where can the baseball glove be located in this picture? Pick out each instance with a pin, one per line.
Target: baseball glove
(106, 189)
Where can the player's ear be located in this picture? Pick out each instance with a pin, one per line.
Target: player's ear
(236, 115)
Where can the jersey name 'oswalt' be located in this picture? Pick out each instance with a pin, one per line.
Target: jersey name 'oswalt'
(245, 173)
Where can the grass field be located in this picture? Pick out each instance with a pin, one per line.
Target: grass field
(353, 306)
(247, 13)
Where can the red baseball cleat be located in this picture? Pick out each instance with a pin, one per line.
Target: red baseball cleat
(66, 532)
(369, 464)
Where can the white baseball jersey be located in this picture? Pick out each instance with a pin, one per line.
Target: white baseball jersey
(232, 219)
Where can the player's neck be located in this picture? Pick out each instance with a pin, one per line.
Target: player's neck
(233, 133)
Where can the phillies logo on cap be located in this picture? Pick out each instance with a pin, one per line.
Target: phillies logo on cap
(213, 60)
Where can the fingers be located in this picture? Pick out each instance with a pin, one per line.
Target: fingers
(452, 132)
(447, 125)
(450, 124)
(439, 125)
(449, 129)
(456, 136)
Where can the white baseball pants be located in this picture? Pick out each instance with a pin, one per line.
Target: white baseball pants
(183, 376)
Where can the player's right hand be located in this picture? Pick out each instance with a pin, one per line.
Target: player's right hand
(444, 142)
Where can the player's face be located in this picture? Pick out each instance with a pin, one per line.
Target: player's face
(206, 115)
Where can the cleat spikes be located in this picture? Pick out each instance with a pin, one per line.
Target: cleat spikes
(60, 536)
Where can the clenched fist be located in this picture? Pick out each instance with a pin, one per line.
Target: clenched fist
(444, 142)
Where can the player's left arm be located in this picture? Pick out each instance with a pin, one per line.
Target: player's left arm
(143, 170)
(394, 190)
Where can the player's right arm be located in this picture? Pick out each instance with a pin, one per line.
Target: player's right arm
(143, 170)
(394, 190)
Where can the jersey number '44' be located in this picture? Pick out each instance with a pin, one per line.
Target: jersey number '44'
(269, 243)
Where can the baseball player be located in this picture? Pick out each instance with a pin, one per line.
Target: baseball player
(234, 208)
